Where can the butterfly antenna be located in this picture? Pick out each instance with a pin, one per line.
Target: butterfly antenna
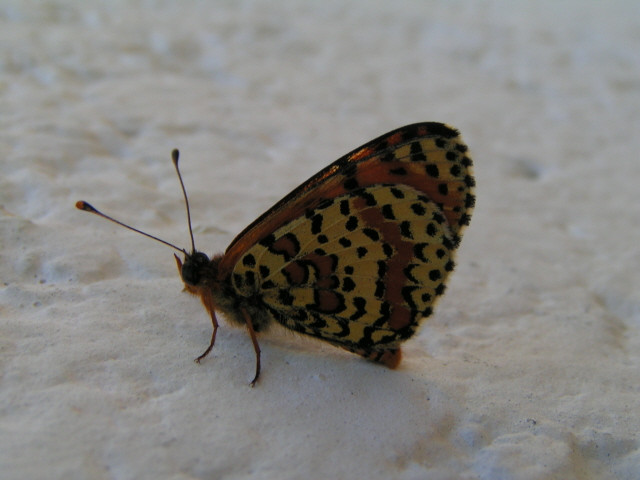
(82, 205)
(175, 155)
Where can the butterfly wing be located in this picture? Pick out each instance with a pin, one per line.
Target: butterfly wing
(430, 156)
(359, 253)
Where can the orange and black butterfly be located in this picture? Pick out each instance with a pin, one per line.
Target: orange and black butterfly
(356, 256)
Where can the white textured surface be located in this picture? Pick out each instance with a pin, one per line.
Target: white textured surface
(530, 368)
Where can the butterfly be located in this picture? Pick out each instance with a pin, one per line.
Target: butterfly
(356, 256)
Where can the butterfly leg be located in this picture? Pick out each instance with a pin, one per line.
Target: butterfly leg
(256, 347)
(207, 300)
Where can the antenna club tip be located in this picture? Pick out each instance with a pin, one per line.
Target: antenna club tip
(82, 205)
(175, 155)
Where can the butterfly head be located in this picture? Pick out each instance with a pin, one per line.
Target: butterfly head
(195, 268)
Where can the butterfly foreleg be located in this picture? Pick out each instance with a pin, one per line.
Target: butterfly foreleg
(207, 301)
(254, 340)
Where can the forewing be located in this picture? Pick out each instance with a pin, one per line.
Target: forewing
(430, 157)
